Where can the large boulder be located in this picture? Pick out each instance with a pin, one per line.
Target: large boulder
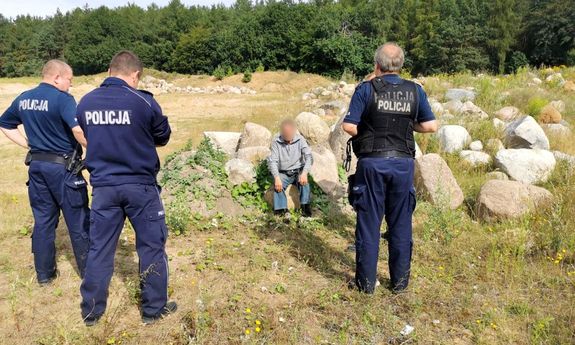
(240, 171)
(453, 138)
(555, 78)
(525, 133)
(292, 195)
(336, 107)
(475, 158)
(224, 141)
(313, 128)
(471, 110)
(253, 154)
(325, 170)
(507, 113)
(525, 165)
(435, 181)
(453, 107)
(569, 85)
(500, 199)
(436, 107)
(557, 129)
(497, 175)
(549, 114)
(476, 145)
(559, 105)
(255, 135)
(460, 95)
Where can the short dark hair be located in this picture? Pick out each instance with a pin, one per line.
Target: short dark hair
(126, 62)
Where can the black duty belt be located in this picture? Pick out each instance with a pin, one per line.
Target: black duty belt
(387, 154)
(290, 172)
(48, 157)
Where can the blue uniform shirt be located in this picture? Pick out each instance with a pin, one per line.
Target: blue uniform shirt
(363, 97)
(48, 115)
(123, 126)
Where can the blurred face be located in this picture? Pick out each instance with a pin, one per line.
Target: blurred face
(288, 132)
(63, 81)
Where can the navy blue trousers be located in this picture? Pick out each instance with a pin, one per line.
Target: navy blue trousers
(52, 188)
(110, 207)
(383, 187)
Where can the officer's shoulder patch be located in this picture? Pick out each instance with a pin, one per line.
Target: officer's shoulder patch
(146, 92)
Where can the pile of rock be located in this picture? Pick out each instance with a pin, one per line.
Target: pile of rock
(252, 145)
(161, 86)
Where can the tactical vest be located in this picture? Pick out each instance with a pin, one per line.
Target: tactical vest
(388, 122)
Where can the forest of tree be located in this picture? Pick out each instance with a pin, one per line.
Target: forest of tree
(319, 36)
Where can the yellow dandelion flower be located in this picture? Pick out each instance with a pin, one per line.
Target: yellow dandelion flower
(248, 331)
(556, 262)
(258, 322)
(258, 329)
(248, 310)
(564, 251)
(440, 268)
(478, 321)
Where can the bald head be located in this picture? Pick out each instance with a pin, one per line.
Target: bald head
(57, 73)
(389, 58)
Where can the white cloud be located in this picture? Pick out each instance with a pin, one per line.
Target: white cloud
(42, 8)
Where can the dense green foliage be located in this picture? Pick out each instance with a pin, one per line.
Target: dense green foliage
(320, 36)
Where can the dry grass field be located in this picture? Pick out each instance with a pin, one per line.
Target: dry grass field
(506, 283)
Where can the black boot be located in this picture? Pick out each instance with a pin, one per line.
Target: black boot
(280, 212)
(306, 210)
(170, 308)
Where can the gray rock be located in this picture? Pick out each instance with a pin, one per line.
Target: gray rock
(471, 110)
(313, 128)
(507, 113)
(436, 107)
(475, 158)
(454, 107)
(240, 171)
(557, 129)
(498, 124)
(497, 175)
(555, 78)
(499, 200)
(453, 138)
(325, 171)
(559, 105)
(253, 154)
(476, 145)
(460, 95)
(525, 165)
(435, 181)
(525, 133)
(254, 135)
(224, 141)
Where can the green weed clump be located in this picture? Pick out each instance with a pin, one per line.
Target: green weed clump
(535, 105)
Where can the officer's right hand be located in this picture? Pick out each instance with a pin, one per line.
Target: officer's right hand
(278, 184)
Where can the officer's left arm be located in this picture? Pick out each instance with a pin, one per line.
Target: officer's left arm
(425, 121)
(68, 110)
(9, 122)
(161, 130)
(357, 106)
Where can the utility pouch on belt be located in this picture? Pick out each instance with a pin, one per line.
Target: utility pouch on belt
(28, 158)
(350, 184)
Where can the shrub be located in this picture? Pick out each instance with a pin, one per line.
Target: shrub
(535, 105)
(260, 68)
(229, 72)
(247, 76)
(219, 73)
(517, 61)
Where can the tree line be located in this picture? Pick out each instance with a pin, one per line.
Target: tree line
(319, 36)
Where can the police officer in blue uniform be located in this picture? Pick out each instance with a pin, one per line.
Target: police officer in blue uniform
(123, 126)
(48, 113)
(383, 114)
